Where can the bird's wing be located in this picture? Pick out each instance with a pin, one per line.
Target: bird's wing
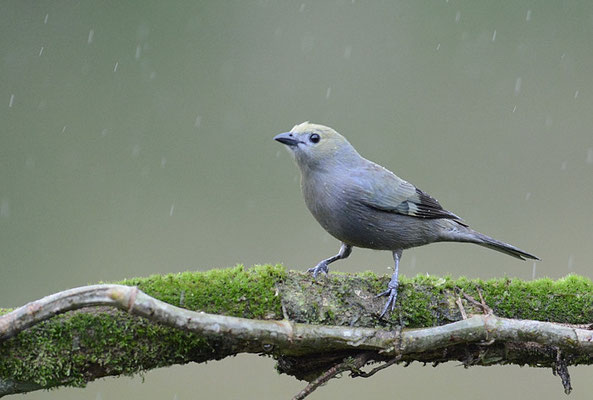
(383, 190)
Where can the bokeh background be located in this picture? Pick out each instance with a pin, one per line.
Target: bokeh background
(136, 138)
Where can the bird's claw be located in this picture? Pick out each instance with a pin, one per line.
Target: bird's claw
(392, 293)
(321, 267)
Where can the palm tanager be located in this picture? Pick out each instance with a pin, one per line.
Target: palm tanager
(363, 204)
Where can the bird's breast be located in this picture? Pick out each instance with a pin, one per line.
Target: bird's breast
(339, 212)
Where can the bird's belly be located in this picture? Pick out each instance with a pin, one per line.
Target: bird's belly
(361, 226)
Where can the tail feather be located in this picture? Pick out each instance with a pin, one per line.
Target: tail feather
(506, 248)
(491, 243)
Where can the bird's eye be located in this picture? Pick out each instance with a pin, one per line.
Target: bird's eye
(314, 138)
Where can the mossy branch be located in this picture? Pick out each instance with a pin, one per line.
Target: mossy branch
(123, 330)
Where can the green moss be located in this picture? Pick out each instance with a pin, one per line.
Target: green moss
(430, 300)
(567, 300)
(64, 350)
(234, 291)
(417, 306)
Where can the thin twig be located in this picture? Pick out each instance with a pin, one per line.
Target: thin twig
(561, 370)
(485, 306)
(372, 372)
(461, 308)
(482, 304)
(351, 364)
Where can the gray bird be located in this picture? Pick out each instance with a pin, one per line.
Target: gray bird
(365, 205)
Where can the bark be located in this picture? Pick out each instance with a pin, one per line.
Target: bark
(312, 327)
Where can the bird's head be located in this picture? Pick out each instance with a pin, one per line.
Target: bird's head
(316, 146)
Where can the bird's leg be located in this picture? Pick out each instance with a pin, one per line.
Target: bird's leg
(344, 252)
(392, 286)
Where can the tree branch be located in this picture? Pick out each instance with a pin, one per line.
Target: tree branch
(330, 325)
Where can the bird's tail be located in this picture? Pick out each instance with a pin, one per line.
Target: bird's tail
(491, 243)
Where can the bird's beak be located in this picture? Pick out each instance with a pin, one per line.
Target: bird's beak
(286, 138)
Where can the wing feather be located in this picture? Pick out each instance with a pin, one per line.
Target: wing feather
(383, 190)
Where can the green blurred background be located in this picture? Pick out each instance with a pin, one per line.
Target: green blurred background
(136, 138)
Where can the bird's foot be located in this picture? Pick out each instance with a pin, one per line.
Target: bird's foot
(391, 292)
(321, 267)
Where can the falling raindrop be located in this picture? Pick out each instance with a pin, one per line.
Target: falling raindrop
(589, 158)
(494, 35)
(104, 132)
(528, 16)
(518, 86)
(570, 261)
(302, 7)
(29, 162)
(514, 108)
(548, 120)
(413, 262)
(4, 208)
(347, 52)
(163, 162)
(171, 210)
(138, 50)
(91, 36)
(135, 150)
(152, 75)
(307, 43)
(328, 92)
(438, 46)
(198, 121)
(11, 101)
(457, 17)
(533, 270)
(41, 51)
(576, 94)
(527, 196)
(45, 19)
(115, 66)
(64, 128)
(563, 165)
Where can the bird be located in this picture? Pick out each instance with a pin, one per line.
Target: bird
(363, 204)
